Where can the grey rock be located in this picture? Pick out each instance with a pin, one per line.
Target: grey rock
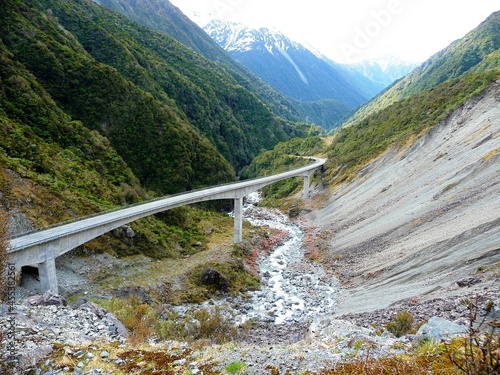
(120, 328)
(469, 281)
(437, 329)
(49, 298)
(124, 232)
(93, 308)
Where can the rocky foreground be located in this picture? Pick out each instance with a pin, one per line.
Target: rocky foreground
(51, 337)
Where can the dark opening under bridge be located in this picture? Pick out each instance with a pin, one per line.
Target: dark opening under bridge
(42, 247)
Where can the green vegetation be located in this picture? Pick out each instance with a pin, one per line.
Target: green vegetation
(235, 367)
(153, 137)
(229, 115)
(476, 52)
(401, 325)
(4, 235)
(240, 280)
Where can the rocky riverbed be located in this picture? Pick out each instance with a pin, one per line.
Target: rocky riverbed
(294, 324)
(53, 338)
(293, 289)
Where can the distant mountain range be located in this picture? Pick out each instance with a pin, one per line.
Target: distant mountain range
(288, 66)
(383, 71)
(301, 73)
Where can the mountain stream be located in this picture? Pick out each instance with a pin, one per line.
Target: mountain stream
(293, 289)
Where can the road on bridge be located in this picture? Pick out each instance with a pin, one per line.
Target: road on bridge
(42, 247)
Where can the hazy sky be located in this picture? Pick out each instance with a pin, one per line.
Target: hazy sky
(353, 30)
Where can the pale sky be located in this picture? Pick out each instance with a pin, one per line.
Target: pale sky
(352, 30)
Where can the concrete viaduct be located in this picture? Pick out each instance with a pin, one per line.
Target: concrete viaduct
(41, 248)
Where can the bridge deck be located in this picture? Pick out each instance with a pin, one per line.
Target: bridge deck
(42, 247)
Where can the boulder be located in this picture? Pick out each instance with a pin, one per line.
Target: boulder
(124, 232)
(115, 325)
(438, 329)
(49, 298)
(469, 281)
(216, 279)
(93, 308)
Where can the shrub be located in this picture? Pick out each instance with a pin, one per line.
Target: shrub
(235, 367)
(211, 324)
(401, 325)
(138, 317)
(479, 352)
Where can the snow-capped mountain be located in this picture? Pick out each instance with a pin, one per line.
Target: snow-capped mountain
(290, 67)
(385, 70)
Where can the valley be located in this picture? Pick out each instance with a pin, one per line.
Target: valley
(392, 264)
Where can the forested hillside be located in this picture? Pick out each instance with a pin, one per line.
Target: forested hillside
(105, 70)
(164, 17)
(98, 112)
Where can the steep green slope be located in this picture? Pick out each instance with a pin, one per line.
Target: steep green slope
(232, 117)
(188, 87)
(153, 137)
(477, 51)
(75, 166)
(54, 169)
(162, 16)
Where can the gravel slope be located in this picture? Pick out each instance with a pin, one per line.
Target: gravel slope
(416, 220)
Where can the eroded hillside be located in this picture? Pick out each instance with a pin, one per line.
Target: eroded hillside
(419, 218)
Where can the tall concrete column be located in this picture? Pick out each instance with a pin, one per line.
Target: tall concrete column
(238, 220)
(307, 183)
(47, 274)
(47, 269)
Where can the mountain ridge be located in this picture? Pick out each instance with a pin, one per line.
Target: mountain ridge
(478, 48)
(169, 20)
(286, 65)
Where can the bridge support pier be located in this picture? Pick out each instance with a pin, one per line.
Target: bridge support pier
(307, 183)
(47, 274)
(238, 220)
